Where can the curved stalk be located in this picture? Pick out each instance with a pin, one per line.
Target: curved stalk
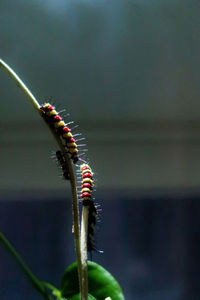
(20, 84)
(35, 282)
(75, 210)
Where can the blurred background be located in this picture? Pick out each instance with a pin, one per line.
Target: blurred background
(128, 73)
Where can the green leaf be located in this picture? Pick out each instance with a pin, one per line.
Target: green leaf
(78, 297)
(101, 284)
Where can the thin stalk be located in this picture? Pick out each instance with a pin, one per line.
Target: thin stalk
(35, 282)
(20, 84)
(84, 234)
(75, 210)
(54, 290)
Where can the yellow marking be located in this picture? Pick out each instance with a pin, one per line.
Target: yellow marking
(71, 145)
(87, 180)
(67, 135)
(74, 150)
(52, 113)
(83, 166)
(85, 190)
(59, 124)
(86, 198)
(86, 171)
(46, 105)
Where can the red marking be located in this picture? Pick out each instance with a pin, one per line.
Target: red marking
(50, 107)
(66, 129)
(57, 118)
(72, 140)
(87, 185)
(85, 167)
(86, 194)
(86, 175)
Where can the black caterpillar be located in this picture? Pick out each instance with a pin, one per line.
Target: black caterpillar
(61, 160)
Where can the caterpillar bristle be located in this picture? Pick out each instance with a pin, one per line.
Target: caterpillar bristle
(76, 126)
(53, 156)
(82, 154)
(61, 111)
(61, 160)
(71, 122)
(82, 160)
(56, 122)
(87, 186)
(81, 139)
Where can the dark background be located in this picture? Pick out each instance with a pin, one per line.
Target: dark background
(128, 74)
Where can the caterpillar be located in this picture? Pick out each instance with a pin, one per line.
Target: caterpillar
(56, 122)
(61, 160)
(87, 184)
(92, 219)
(86, 198)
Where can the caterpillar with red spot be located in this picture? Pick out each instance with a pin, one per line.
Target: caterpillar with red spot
(86, 198)
(56, 122)
(87, 184)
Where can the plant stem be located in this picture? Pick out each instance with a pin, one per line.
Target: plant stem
(84, 234)
(20, 84)
(75, 215)
(35, 282)
(75, 210)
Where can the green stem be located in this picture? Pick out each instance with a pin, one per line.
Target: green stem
(20, 83)
(75, 210)
(54, 290)
(35, 282)
(75, 214)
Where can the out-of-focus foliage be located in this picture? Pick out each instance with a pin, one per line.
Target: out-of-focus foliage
(101, 284)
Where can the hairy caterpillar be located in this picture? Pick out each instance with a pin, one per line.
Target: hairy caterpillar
(61, 160)
(92, 220)
(87, 184)
(86, 198)
(57, 123)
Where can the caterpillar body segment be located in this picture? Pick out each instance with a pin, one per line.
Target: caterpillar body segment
(62, 162)
(87, 187)
(56, 122)
(92, 217)
(87, 183)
